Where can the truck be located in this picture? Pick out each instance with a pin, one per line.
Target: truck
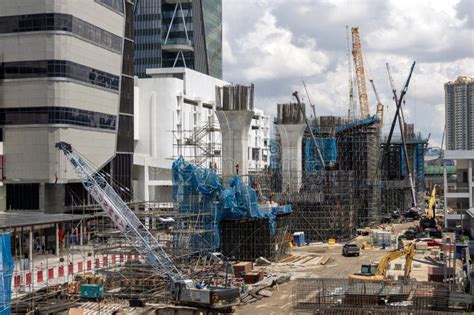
(351, 250)
(183, 289)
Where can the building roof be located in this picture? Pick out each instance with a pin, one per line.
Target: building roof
(439, 170)
(28, 218)
(459, 154)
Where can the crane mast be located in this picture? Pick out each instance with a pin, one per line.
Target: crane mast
(379, 103)
(401, 124)
(122, 216)
(313, 107)
(360, 73)
(352, 104)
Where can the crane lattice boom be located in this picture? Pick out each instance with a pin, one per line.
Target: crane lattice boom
(360, 73)
(122, 216)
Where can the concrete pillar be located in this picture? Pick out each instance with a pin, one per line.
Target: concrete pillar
(52, 196)
(235, 125)
(291, 137)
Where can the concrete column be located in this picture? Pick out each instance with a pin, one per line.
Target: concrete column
(53, 197)
(291, 137)
(235, 125)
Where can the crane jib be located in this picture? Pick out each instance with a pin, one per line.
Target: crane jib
(108, 209)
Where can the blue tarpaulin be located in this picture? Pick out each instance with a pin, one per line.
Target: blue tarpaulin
(195, 189)
(6, 272)
(328, 149)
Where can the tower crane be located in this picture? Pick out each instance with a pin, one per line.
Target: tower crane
(360, 73)
(352, 104)
(144, 242)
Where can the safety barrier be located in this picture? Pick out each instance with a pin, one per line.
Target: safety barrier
(56, 274)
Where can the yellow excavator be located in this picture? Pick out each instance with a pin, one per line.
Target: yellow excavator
(378, 272)
(428, 221)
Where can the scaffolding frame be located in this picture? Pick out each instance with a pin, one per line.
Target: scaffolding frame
(394, 297)
(250, 238)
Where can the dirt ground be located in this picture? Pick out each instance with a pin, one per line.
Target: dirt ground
(338, 266)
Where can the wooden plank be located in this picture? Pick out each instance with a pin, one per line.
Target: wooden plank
(324, 260)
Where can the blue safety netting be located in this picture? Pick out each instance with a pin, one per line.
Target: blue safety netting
(196, 189)
(6, 272)
(328, 149)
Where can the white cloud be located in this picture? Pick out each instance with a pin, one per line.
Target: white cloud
(268, 52)
(276, 44)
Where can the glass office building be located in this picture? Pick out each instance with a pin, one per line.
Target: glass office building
(179, 33)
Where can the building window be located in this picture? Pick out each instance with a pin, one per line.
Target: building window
(56, 115)
(58, 68)
(114, 5)
(60, 22)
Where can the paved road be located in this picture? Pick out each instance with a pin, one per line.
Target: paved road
(338, 266)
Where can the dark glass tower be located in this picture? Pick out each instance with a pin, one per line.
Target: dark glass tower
(179, 33)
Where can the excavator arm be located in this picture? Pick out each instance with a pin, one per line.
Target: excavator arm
(431, 205)
(381, 270)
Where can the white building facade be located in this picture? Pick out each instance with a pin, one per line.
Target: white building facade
(259, 141)
(175, 116)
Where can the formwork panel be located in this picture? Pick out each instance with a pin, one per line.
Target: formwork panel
(248, 239)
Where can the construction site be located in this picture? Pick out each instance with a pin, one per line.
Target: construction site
(276, 241)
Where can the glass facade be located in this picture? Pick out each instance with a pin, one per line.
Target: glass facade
(56, 115)
(60, 22)
(196, 26)
(212, 18)
(58, 68)
(147, 29)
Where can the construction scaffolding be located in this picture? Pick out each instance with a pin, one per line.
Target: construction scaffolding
(248, 239)
(200, 145)
(333, 296)
(359, 151)
(396, 188)
(333, 202)
(325, 208)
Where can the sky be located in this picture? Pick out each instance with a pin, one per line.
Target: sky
(276, 44)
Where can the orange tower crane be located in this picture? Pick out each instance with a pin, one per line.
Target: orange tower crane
(360, 73)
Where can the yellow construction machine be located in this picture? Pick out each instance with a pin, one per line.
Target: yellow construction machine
(428, 221)
(378, 272)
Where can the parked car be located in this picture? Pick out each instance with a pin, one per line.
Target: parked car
(351, 250)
